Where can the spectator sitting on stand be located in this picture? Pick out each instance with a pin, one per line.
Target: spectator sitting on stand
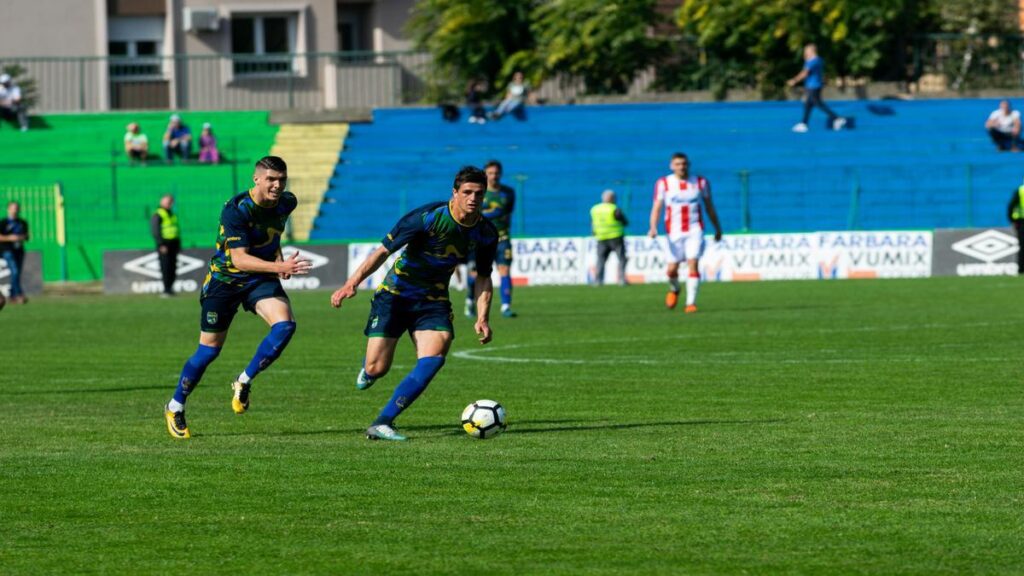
(208, 152)
(1003, 127)
(475, 101)
(136, 145)
(177, 139)
(11, 106)
(515, 99)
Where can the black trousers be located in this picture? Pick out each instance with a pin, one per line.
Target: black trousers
(169, 264)
(16, 112)
(606, 247)
(812, 99)
(1018, 225)
(1004, 141)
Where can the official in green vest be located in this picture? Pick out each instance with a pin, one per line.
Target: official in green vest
(1016, 214)
(609, 225)
(164, 227)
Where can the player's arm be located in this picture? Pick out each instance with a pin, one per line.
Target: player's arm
(655, 211)
(374, 261)
(712, 213)
(245, 262)
(799, 77)
(484, 291)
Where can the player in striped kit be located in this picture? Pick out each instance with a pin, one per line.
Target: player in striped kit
(681, 197)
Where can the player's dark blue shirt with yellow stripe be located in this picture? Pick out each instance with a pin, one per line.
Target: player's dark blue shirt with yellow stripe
(498, 207)
(435, 244)
(258, 229)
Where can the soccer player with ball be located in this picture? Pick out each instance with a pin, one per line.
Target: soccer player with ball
(414, 296)
(681, 195)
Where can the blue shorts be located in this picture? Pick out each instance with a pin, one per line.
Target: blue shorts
(503, 257)
(391, 316)
(220, 301)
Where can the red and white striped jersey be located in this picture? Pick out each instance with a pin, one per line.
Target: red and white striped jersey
(681, 199)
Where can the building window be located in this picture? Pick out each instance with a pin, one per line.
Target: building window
(135, 59)
(263, 44)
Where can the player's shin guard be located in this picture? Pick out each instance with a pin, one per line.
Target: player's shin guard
(506, 291)
(692, 285)
(193, 371)
(271, 347)
(410, 388)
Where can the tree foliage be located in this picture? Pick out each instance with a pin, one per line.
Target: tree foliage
(604, 42)
(469, 39)
(758, 41)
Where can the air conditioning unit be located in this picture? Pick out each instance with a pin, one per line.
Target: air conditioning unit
(201, 20)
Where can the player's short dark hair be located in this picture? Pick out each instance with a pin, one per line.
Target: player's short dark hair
(470, 174)
(680, 156)
(275, 163)
(495, 164)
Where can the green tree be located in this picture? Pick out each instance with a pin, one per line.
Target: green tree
(603, 42)
(18, 73)
(759, 41)
(469, 39)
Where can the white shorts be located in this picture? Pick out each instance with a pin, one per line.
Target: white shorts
(686, 247)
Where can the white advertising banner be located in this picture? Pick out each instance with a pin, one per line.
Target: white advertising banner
(737, 257)
(875, 254)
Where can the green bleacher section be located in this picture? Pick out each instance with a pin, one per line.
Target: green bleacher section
(108, 201)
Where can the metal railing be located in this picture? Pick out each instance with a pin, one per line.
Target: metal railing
(312, 81)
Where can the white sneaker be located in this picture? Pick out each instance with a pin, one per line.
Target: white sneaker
(800, 128)
(838, 123)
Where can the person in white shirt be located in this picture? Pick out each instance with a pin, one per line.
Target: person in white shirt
(682, 196)
(1003, 127)
(515, 98)
(136, 144)
(11, 106)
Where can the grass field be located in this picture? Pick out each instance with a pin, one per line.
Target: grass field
(802, 427)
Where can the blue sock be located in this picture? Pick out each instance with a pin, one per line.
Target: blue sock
(506, 290)
(271, 347)
(470, 287)
(410, 388)
(192, 373)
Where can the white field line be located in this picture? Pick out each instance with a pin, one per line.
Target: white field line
(729, 357)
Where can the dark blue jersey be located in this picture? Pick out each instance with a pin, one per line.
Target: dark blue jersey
(258, 229)
(435, 243)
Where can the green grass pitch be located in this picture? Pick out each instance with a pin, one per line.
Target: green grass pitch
(800, 427)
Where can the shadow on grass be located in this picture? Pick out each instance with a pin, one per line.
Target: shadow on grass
(523, 427)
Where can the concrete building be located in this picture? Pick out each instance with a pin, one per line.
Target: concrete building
(95, 55)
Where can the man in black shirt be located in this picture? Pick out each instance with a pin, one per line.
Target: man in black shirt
(13, 235)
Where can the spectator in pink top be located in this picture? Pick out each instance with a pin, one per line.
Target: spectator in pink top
(208, 146)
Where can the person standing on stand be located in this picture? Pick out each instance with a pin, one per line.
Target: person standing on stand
(167, 234)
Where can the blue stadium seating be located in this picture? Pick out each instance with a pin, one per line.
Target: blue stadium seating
(906, 165)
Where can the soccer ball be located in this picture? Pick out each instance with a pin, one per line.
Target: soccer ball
(483, 419)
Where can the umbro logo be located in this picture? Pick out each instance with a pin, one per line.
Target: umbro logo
(149, 265)
(988, 246)
(315, 259)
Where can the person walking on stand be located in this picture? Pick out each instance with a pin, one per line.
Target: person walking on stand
(609, 225)
(13, 235)
(813, 77)
(167, 234)
(1015, 212)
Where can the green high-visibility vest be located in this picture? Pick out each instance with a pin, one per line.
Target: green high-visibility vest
(1018, 212)
(168, 224)
(606, 226)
